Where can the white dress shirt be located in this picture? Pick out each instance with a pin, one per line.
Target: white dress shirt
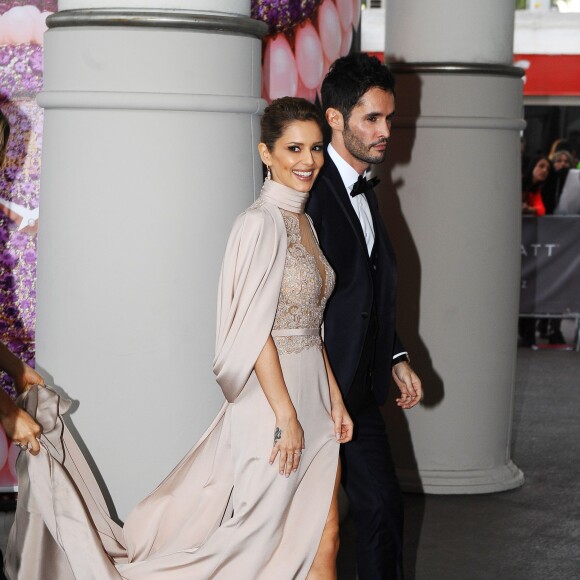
(349, 177)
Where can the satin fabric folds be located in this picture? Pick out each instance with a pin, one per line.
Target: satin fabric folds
(186, 529)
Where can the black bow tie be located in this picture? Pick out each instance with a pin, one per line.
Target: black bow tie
(363, 185)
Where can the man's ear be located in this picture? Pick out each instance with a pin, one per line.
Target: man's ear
(334, 119)
(264, 154)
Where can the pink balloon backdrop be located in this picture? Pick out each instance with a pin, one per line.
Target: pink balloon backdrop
(22, 25)
(305, 38)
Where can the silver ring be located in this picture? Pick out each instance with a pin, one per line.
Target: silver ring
(22, 446)
(298, 452)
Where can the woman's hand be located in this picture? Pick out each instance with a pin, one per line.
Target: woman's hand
(529, 209)
(343, 425)
(22, 429)
(23, 375)
(289, 443)
(26, 378)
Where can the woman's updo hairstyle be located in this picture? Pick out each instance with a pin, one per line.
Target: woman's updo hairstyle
(284, 111)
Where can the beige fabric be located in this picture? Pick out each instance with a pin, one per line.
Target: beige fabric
(304, 291)
(223, 512)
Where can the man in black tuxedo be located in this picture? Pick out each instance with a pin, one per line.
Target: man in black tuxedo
(359, 325)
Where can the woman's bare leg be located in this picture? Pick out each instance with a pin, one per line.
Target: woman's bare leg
(324, 565)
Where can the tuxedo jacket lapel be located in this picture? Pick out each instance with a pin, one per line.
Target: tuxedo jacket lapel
(336, 186)
(358, 287)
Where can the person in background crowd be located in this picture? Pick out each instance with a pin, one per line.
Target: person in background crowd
(536, 178)
(533, 182)
(564, 145)
(562, 160)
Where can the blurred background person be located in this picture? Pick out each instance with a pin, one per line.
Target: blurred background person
(562, 160)
(533, 181)
(564, 145)
(535, 178)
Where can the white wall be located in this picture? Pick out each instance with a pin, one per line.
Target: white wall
(534, 32)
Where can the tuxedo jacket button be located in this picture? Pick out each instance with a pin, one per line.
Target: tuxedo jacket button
(364, 314)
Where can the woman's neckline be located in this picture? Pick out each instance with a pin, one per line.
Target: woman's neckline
(283, 196)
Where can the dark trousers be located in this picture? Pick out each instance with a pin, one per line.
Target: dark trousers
(368, 477)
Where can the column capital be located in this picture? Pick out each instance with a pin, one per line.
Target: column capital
(456, 68)
(180, 19)
(241, 7)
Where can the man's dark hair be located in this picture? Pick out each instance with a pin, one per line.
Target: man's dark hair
(350, 77)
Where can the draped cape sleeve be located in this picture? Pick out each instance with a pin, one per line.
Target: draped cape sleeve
(248, 294)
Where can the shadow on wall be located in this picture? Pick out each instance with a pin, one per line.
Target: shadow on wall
(390, 192)
(69, 422)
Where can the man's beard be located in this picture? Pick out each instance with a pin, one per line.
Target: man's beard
(360, 150)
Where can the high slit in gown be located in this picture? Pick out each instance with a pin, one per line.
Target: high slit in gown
(224, 512)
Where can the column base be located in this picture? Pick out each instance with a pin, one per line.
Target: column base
(499, 478)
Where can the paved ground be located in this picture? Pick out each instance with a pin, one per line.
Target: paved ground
(532, 533)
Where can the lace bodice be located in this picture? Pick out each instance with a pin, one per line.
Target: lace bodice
(307, 283)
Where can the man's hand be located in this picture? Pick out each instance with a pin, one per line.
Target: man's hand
(409, 384)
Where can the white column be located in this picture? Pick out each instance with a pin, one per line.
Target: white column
(451, 198)
(149, 152)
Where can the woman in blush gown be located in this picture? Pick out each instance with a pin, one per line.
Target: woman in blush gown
(256, 497)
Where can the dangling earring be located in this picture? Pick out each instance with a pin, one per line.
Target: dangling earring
(268, 173)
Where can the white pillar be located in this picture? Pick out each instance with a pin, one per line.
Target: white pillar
(452, 203)
(151, 118)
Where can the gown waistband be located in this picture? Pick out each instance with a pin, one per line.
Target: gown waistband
(296, 332)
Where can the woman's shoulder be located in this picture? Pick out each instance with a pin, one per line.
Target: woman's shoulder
(260, 213)
(258, 219)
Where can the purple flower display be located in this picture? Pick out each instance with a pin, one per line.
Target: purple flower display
(281, 15)
(7, 282)
(19, 241)
(21, 70)
(36, 62)
(30, 256)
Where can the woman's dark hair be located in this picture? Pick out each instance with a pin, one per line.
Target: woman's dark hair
(284, 111)
(528, 176)
(550, 189)
(4, 136)
(350, 77)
